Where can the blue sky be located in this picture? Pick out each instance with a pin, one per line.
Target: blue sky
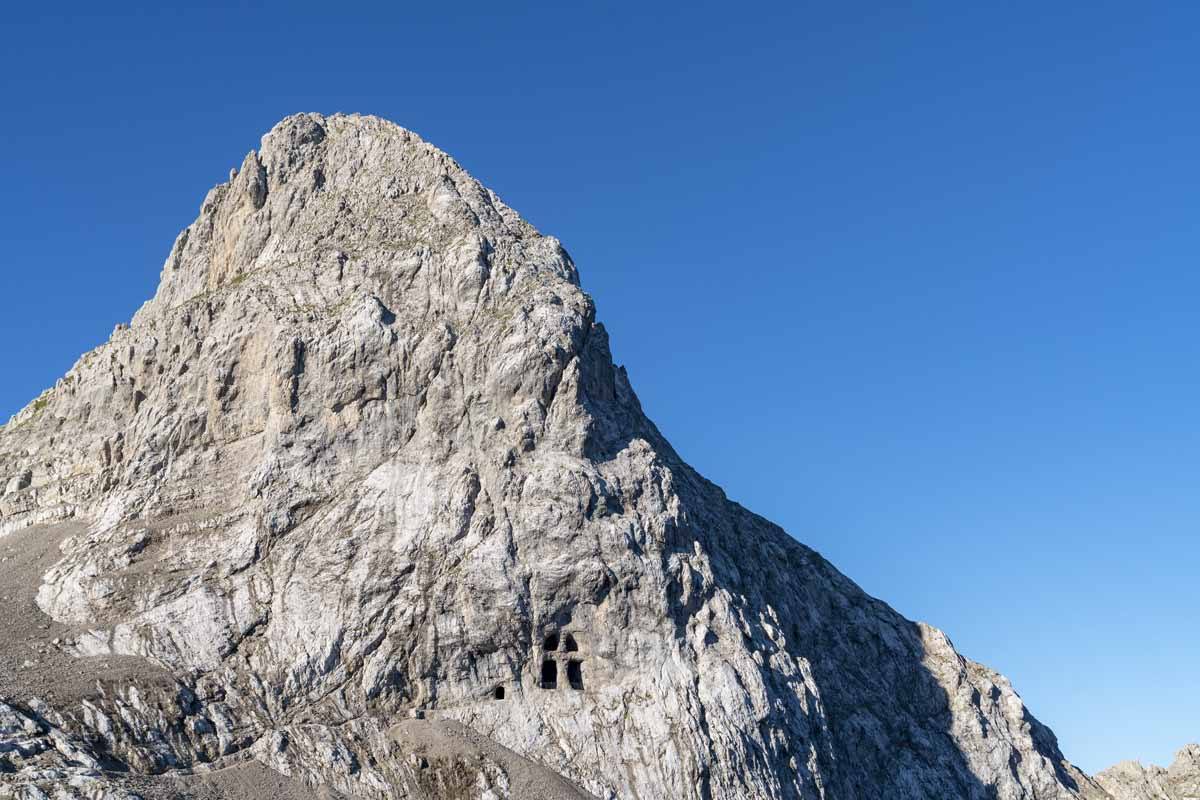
(917, 283)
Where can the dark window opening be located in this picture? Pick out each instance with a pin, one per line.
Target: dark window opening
(551, 642)
(549, 674)
(575, 674)
(498, 693)
(569, 644)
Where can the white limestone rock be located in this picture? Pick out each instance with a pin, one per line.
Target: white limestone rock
(1130, 780)
(366, 452)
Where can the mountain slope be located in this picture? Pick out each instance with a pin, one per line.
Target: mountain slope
(365, 456)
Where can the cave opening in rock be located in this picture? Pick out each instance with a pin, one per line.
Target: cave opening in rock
(551, 642)
(498, 693)
(569, 644)
(575, 674)
(549, 674)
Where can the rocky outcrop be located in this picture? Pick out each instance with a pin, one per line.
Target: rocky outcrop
(365, 459)
(1129, 780)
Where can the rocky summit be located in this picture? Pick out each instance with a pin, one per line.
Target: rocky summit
(1129, 780)
(358, 506)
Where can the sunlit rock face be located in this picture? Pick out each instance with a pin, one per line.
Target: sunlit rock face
(362, 492)
(1130, 780)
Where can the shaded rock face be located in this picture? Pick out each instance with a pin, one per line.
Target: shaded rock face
(365, 456)
(1129, 780)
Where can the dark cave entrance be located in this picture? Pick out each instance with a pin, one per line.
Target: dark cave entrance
(551, 643)
(575, 674)
(498, 693)
(549, 674)
(569, 644)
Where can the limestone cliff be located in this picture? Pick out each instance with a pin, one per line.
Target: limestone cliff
(1129, 780)
(360, 499)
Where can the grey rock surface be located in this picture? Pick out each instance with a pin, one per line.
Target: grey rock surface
(359, 500)
(1129, 780)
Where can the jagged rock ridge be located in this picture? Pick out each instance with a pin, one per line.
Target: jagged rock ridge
(365, 455)
(1130, 780)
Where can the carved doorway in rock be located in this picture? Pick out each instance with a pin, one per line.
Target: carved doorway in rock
(549, 674)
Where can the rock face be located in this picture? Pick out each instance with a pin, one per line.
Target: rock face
(364, 464)
(1129, 780)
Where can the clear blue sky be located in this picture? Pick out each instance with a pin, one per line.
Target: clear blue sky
(919, 284)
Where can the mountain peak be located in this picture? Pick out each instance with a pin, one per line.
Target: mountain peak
(365, 458)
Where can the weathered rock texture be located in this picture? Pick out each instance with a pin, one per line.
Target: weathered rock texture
(1129, 780)
(364, 456)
